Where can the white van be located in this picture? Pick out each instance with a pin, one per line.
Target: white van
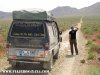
(32, 39)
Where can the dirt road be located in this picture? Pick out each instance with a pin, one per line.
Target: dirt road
(66, 64)
(70, 65)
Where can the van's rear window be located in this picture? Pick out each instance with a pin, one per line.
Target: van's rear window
(28, 29)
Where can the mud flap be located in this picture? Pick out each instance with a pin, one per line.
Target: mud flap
(48, 65)
(14, 64)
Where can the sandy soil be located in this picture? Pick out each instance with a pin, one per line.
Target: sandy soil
(71, 65)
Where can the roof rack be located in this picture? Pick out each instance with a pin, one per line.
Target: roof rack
(32, 15)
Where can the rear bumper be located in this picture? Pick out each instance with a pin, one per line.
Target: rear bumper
(39, 55)
(34, 61)
(14, 61)
(14, 58)
(28, 60)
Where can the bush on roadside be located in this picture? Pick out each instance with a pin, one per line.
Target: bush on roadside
(1, 47)
(94, 47)
(94, 71)
(98, 36)
(90, 24)
(91, 56)
(89, 42)
(65, 23)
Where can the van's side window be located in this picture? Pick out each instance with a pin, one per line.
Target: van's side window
(55, 32)
(50, 29)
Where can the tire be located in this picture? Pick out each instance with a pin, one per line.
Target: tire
(49, 65)
(56, 55)
(15, 64)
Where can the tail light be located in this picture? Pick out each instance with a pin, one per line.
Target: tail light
(46, 46)
(8, 45)
(14, 57)
(44, 54)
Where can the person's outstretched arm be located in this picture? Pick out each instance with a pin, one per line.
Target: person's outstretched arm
(76, 28)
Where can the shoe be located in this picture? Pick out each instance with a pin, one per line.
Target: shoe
(76, 53)
(72, 54)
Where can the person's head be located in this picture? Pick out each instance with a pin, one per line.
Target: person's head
(72, 28)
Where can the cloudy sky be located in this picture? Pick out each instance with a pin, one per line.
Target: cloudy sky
(10, 5)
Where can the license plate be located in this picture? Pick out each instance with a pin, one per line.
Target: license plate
(25, 53)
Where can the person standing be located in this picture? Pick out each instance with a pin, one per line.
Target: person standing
(72, 39)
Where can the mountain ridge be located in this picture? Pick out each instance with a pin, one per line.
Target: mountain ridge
(60, 11)
(5, 15)
(92, 10)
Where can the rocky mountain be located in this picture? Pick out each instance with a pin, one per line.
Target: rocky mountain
(65, 10)
(93, 10)
(5, 15)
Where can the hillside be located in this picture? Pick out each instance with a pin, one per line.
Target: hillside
(5, 15)
(93, 10)
(65, 10)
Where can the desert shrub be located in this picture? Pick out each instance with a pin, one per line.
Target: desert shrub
(90, 24)
(65, 23)
(89, 42)
(93, 71)
(91, 56)
(87, 31)
(0, 46)
(4, 27)
(94, 47)
(98, 36)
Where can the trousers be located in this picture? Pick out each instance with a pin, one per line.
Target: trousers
(73, 42)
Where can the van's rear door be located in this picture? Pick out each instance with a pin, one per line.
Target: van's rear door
(27, 35)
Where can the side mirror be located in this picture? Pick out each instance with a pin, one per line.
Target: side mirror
(60, 32)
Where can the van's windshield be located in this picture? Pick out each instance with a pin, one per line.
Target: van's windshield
(28, 29)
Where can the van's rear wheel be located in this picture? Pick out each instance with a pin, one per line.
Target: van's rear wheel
(56, 55)
(15, 64)
(48, 65)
